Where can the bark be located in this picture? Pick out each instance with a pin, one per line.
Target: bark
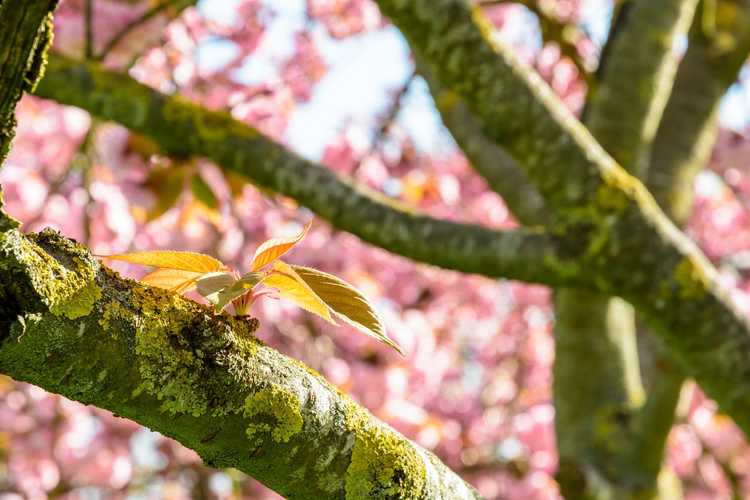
(687, 131)
(74, 327)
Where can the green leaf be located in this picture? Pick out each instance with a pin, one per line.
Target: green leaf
(347, 302)
(237, 289)
(166, 184)
(211, 284)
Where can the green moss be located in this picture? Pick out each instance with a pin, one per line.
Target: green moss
(279, 404)
(61, 272)
(383, 464)
(178, 344)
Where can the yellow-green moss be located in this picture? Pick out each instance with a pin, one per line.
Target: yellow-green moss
(383, 464)
(282, 405)
(67, 287)
(178, 344)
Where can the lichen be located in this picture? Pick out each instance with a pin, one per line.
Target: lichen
(383, 464)
(187, 357)
(279, 404)
(38, 60)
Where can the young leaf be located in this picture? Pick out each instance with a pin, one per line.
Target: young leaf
(347, 302)
(240, 287)
(171, 259)
(274, 248)
(209, 285)
(171, 279)
(295, 289)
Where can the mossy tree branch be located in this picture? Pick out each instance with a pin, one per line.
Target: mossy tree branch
(183, 128)
(74, 327)
(626, 241)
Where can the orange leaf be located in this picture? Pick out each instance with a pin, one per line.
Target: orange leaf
(171, 259)
(274, 248)
(294, 288)
(347, 302)
(172, 279)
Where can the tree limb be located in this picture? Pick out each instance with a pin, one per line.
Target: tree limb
(74, 327)
(687, 132)
(25, 35)
(182, 128)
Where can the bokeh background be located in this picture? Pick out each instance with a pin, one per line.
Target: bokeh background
(335, 82)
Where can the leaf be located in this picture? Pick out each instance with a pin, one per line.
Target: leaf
(171, 259)
(272, 249)
(240, 287)
(203, 192)
(292, 287)
(347, 302)
(210, 284)
(172, 279)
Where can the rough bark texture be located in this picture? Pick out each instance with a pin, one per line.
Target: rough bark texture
(24, 37)
(74, 327)
(182, 128)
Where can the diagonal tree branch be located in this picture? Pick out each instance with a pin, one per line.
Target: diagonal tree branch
(74, 327)
(501, 171)
(687, 132)
(183, 128)
(624, 238)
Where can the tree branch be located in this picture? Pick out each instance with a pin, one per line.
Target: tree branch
(25, 35)
(501, 171)
(687, 132)
(625, 241)
(74, 327)
(182, 128)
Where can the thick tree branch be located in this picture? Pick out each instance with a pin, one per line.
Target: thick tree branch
(25, 34)
(625, 240)
(71, 326)
(627, 106)
(183, 128)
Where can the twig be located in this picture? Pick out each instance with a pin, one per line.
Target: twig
(113, 42)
